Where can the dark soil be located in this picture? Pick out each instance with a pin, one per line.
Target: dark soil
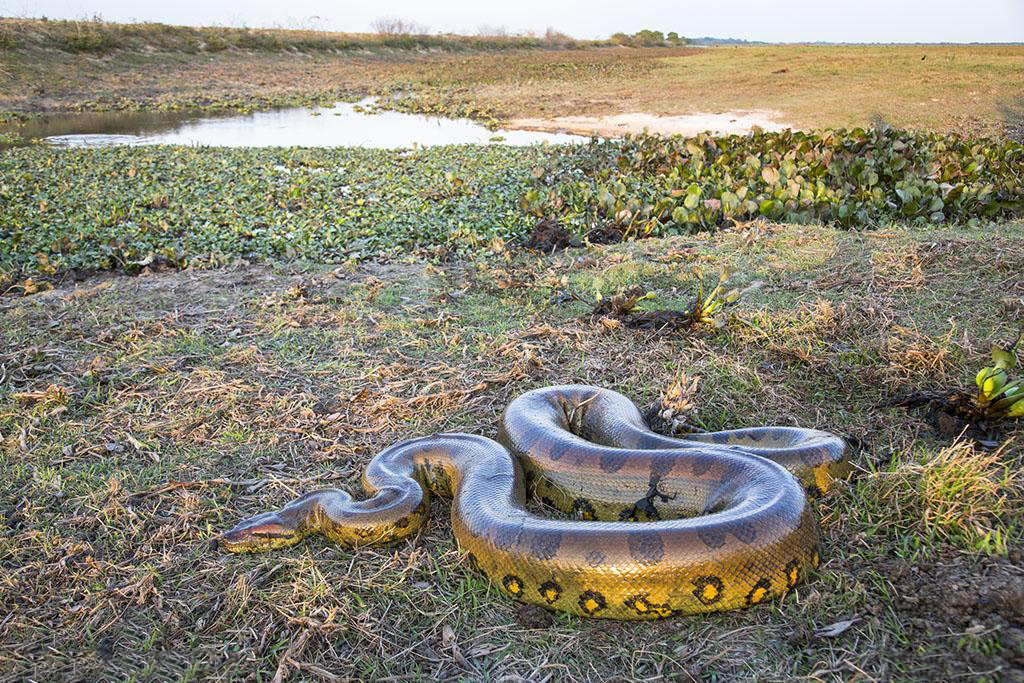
(977, 608)
(547, 236)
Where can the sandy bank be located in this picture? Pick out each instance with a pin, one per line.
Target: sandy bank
(722, 123)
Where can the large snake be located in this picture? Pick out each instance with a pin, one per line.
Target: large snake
(706, 523)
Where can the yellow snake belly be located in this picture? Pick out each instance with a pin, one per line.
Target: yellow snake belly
(662, 526)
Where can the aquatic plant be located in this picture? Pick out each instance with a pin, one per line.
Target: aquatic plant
(852, 178)
(95, 209)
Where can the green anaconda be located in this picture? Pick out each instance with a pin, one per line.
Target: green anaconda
(663, 525)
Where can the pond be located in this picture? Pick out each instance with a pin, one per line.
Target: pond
(346, 124)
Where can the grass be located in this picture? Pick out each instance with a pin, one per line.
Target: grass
(139, 416)
(101, 37)
(941, 88)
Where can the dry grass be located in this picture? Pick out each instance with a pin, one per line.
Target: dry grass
(101, 37)
(951, 88)
(141, 416)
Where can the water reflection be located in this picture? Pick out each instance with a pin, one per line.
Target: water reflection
(342, 125)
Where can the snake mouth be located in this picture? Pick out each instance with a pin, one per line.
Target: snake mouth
(253, 537)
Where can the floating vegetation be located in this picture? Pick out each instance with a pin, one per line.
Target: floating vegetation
(92, 209)
(652, 185)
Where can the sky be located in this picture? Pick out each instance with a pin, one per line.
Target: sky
(768, 20)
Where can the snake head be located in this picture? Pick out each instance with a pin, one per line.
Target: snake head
(259, 533)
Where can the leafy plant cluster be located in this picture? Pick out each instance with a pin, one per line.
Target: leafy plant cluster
(94, 209)
(652, 185)
(1000, 395)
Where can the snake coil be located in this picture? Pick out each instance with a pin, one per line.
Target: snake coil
(663, 526)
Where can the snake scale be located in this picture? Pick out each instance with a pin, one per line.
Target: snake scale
(662, 526)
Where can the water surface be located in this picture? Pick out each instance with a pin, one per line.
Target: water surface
(344, 125)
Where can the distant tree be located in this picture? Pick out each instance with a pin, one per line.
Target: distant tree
(649, 38)
(622, 39)
(487, 31)
(674, 38)
(555, 37)
(393, 26)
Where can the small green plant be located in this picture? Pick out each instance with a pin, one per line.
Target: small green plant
(999, 396)
(706, 307)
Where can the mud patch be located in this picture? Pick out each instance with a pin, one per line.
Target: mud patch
(548, 236)
(722, 123)
(976, 611)
(952, 416)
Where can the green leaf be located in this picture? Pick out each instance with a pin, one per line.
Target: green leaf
(1003, 358)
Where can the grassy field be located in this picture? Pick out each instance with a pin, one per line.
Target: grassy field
(190, 336)
(946, 88)
(141, 416)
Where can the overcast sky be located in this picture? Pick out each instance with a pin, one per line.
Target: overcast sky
(778, 20)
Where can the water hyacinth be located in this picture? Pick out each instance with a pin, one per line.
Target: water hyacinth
(854, 178)
(121, 207)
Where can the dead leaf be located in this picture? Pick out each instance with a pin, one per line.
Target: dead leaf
(836, 629)
(447, 636)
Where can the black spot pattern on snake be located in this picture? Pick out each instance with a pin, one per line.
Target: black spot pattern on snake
(642, 605)
(745, 532)
(629, 514)
(365, 531)
(815, 456)
(550, 591)
(661, 465)
(646, 547)
(708, 589)
(548, 502)
(759, 592)
(473, 563)
(401, 522)
(507, 536)
(544, 545)
(720, 437)
(792, 571)
(712, 538)
(513, 584)
(755, 435)
(595, 558)
(555, 451)
(592, 602)
(701, 466)
(735, 470)
(582, 509)
(612, 460)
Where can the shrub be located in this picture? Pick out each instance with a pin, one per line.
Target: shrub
(89, 41)
(7, 39)
(214, 43)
